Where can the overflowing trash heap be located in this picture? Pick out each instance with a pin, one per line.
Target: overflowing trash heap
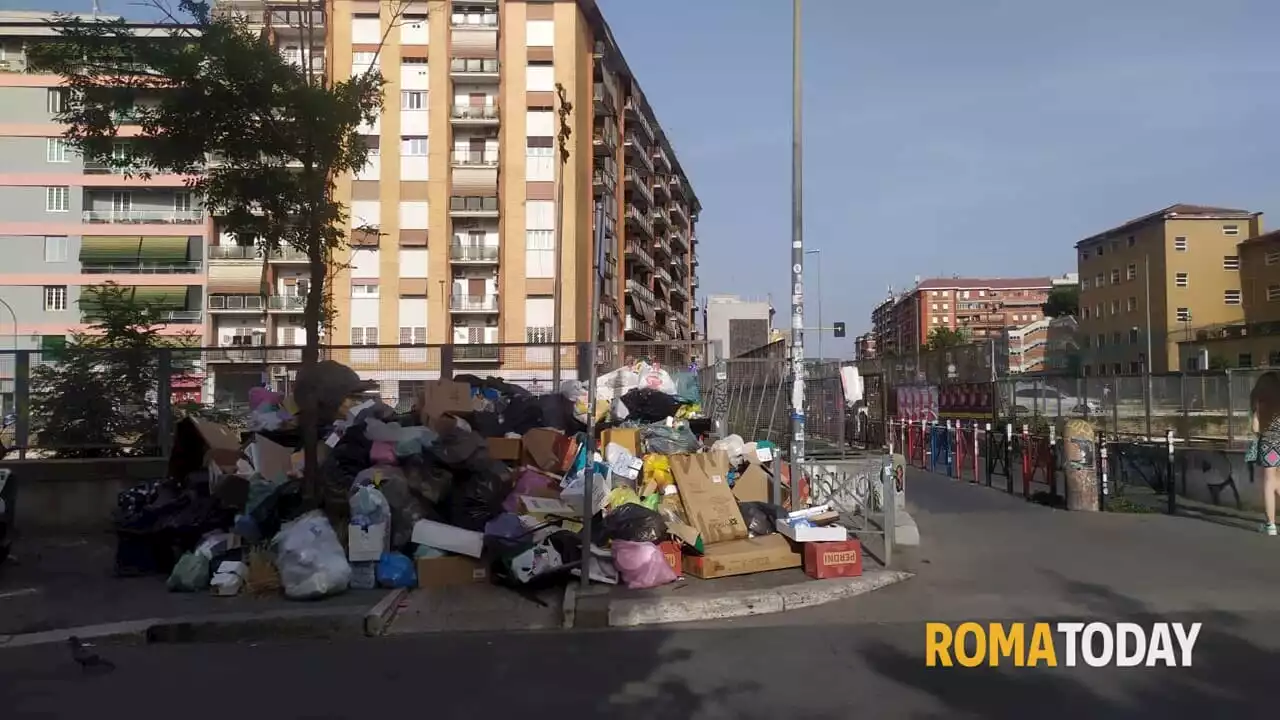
(483, 481)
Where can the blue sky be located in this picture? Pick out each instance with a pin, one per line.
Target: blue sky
(975, 137)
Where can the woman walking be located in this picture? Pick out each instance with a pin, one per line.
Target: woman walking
(1264, 405)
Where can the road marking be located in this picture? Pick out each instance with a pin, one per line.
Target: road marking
(7, 594)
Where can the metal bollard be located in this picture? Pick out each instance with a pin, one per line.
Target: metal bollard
(1104, 488)
(990, 456)
(1171, 495)
(1051, 473)
(1008, 455)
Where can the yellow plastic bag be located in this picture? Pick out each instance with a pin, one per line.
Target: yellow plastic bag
(657, 469)
(620, 496)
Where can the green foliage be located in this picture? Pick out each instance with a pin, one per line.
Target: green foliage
(943, 338)
(1062, 301)
(99, 398)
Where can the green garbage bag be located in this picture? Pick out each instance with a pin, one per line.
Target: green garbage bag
(191, 574)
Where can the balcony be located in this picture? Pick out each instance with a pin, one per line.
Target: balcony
(636, 116)
(637, 251)
(250, 252)
(475, 254)
(640, 327)
(466, 158)
(663, 275)
(476, 353)
(660, 192)
(639, 290)
(475, 69)
(676, 186)
(679, 215)
(142, 268)
(679, 241)
(477, 115)
(474, 21)
(605, 139)
(610, 266)
(236, 303)
(639, 184)
(678, 289)
(286, 303)
(637, 149)
(606, 96)
(660, 159)
(252, 354)
(181, 317)
(473, 303)
(639, 220)
(603, 180)
(661, 219)
(468, 206)
(663, 245)
(143, 217)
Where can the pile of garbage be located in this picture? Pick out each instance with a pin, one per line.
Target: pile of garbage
(483, 481)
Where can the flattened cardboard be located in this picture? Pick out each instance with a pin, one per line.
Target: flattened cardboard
(272, 460)
(450, 571)
(709, 504)
(197, 443)
(743, 557)
(547, 449)
(440, 397)
(752, 485)
(506, 449)
(628, 438)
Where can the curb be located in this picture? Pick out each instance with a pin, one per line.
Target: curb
(744, 603)
(292, 623)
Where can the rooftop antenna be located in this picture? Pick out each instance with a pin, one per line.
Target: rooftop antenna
(95, 9)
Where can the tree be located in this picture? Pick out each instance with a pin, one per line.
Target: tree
(263, 139)
(1062, 301)
(97, 398)
(942, 338)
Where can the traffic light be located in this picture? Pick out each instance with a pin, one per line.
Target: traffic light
(839, 329)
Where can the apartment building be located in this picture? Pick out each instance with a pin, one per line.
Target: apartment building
(864, 347)
(67, 225)
(982, 307)
(1161, 276)
(1046, 345)
(454, 220)
(884, 330)
(736, 325)
(1254, 341)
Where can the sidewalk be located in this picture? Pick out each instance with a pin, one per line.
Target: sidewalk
(58, 583)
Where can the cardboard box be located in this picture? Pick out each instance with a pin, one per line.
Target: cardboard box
(811, 533)
(673, 555)
(709, 504)
(198, 443)
(440, 397)
(743, 557)
(506, 449)
(367, 544)
(752, 485)
(824, 560)
(450, 571)
(548, 449)
(628, 438)
(448, 538)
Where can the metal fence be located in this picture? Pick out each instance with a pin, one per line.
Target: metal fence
(757, 402)
(52, 399)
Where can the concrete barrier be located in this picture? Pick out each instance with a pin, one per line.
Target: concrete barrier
(60, 496)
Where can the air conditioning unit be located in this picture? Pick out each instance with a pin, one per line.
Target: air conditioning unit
(279, 371)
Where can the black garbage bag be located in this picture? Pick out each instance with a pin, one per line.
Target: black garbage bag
(478, 499)
(507, 556)
(338, 471)
(522, 414)
(761, 517)
(557, 412)
(484, 423)
(456, 447)
(647, 405)
(636, 523)
(285, 503)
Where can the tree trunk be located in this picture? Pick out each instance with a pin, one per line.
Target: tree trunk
(308, 407)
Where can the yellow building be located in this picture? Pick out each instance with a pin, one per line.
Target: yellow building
(1253, 341)
(460, 196)
(1194, 268)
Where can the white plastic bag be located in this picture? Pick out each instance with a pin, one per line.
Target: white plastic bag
(311, 560)
(734, 447)
(655, 378)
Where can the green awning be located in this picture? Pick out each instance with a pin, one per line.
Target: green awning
(132, 249)
(173, 298)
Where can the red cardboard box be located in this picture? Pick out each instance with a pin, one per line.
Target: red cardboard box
(672, 553)
(824, 560)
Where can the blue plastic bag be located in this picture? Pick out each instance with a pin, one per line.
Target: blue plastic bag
(396, 570)
(687, 388)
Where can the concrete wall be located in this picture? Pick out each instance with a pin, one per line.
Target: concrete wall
(24, 105)
(74, 496)
(1217, 477)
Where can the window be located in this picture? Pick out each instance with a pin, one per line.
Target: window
(1084, 284)
(1244, 360)
(413, 335)
(1273, 293)
(1133, 336)
(1085, 310)
(413, 263)
(55, 298)
(57, 199)
(363, 62)
(1115, 276)
(1231, 297)
(1102, 340)
(366, 263)
(415, 215)
(1131, 304)
(1084, 255)
(1180, 280)
(121, 202)
(1131, 272)
(55, 150)
(1115, 368)
(540, 223)
(1230, 262)
(1099, 280)
(1183, 315)
(413, 146)
(364, 290)
(55, 248)
(1180, 244)
(364, 336)
(1272, 257)
(413, 100)
(366, 29)
(540, 77)
(55, 100)
(182, 202)
(366, 214)
(1230, 229)
(1101, 250)
(540, 33)
(1086, 341)
(415, 30)
(936, 320)
(540, 159)
(1097, 310)
(1115, 307)
(1132, 241)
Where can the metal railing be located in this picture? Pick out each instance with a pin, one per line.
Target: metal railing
(165, 217)
(475, 159)
(287, 303)
(639, 219)
(473, 253)
(474, 21)
(249, 252)
(474, 303)
(474, 112)
(636, 325)
(142, 268)
(473, 206)
(635, 287)
(636, 248)
(474, 67)
(236, 302)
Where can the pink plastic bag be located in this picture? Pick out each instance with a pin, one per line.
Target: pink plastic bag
(259, 396)
(641, 564)
(530, 482)
(383, 453)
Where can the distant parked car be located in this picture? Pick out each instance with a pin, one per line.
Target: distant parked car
(1051, 401)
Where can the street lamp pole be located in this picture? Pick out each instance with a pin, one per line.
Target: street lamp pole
(818, 287)
(797, 268)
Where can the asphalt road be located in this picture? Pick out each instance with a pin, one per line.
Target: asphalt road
(865, 670)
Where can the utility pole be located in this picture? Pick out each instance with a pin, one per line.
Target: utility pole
(797, 268)
(566, 107)
(1146, 366)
